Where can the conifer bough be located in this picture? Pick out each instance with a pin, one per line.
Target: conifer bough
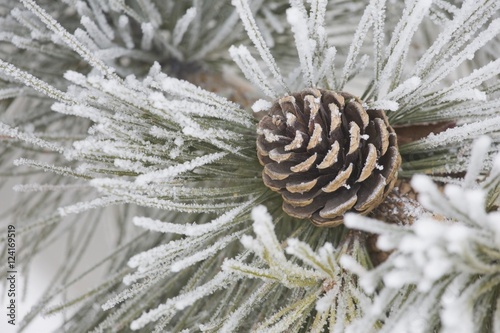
(327, 155)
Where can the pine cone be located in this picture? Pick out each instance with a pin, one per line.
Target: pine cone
(327, 155)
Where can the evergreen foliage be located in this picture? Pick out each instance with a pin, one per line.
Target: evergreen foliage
(103, 121)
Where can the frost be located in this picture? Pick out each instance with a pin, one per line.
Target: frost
(385, 105)
(299, 27)
(404, 88)
(15, 133)
(444, 249)
(182, 25)
(364, 24)
(251, 70)
(184, 157)
(479, 152)
(173, 171)
(323, 273)
(261, 105)
(398, 47)
(148, 31)
(85, 206)
(219, 223)
(464, 95)
(69, 39)
(256, 38)
(33, 82)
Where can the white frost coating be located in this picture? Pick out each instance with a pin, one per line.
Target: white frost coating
(264, 229)
(148, 33)
(441, 248)
(261, 105)
(190, 91)
(224, 31)
(175, 170)
(355, 221)
(305, 47)
(404, 89)
(193, 229)
(251, 244)
(69, 39)
(378, 38)
(95, 33)
(364, 24)
(182, 25)
(255, 36)
(464, 95)
(385, 105)
(125, 31)
(182, 301)
(205, 253)
(101, 19)
(250, 68)
(304, 252)
(117, 149)
(459, 134)
(75, 77)
(134, 166)
(457, 317)
(468, 7)
(349, 263)
(80, 111)
(479, 75)
(15, 133)
(11, 92)
(46, 187)
(327, 68)
(52, 168)
(34, 82)
(88, 205)
(480, 149)
(326, 302)
(232, 323)
(401, 39)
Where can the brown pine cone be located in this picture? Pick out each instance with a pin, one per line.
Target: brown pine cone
(327, 155)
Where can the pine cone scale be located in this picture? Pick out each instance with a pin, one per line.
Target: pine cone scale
(371, 192)
(339, 181)
(370, 163)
